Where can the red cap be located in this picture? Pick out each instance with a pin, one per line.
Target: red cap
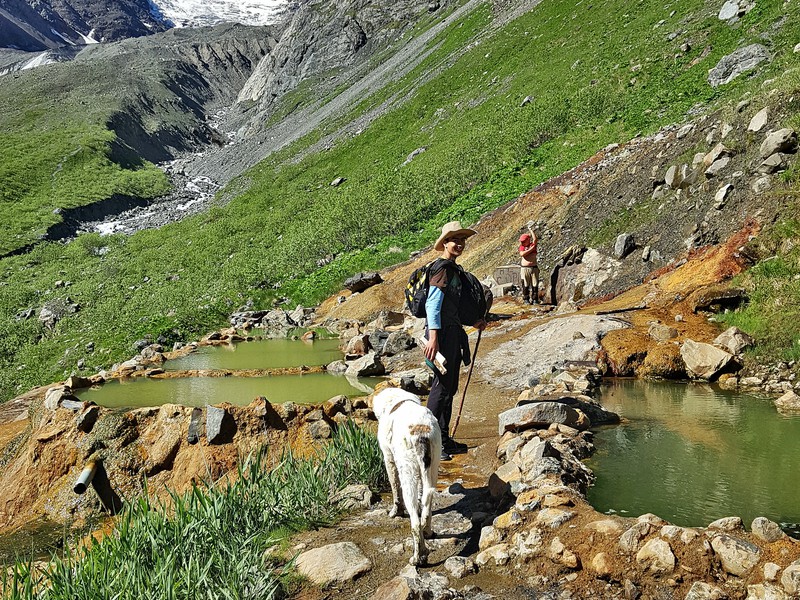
(525, 237)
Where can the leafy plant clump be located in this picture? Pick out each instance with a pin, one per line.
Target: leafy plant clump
(211, 542)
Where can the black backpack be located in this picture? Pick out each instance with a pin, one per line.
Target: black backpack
(416, 291)
(476, 298)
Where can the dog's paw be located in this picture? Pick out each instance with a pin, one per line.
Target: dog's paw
(396, 511)
(418, 560)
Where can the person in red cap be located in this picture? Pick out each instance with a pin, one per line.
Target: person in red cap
(529, 267)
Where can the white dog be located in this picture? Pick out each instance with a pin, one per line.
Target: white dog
(411, 442)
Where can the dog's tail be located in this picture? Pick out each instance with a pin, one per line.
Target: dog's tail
(429, 445)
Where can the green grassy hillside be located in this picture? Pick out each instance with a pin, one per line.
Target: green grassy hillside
(596, 74)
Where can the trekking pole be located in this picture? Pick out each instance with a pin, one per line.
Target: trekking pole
(464, 394)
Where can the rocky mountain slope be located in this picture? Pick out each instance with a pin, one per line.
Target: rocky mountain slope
(33, 26)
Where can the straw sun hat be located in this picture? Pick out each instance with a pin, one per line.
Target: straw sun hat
(453, 229)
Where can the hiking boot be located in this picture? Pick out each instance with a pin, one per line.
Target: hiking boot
(453, 446)
(445, 456)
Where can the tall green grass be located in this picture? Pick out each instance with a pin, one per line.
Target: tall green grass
(772, 314)
(212, 541)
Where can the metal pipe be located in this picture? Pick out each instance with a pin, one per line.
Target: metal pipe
(85, 477)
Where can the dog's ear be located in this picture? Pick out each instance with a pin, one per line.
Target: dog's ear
(375, 403)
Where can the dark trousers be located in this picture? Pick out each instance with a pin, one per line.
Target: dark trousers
(445, 386)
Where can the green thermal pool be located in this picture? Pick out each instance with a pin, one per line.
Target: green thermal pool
(692, 454)
(310, 388)
(261, 354)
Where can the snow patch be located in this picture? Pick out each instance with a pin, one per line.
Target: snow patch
(88, 38)
(66, 40)
(37, 61)
(197, 13)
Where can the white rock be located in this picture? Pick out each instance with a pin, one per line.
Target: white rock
(528, 544)
(791, 578)
(789, 402)
(737, 556)
(722, 193)
(771, 571)
(489, 537)
(761, 185)
(727, 524)
(704, 591)
(606, 526)
(631, 540)
(333, 563)
(734, 340)
(657, 555)
(497, 555)
(766, 591)
(703, 361)
(767, 530)
(729, 10)
(554, 517)
(759, 120)
(459, 566)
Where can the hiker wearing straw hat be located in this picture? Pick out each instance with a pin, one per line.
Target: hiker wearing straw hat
(444, 329)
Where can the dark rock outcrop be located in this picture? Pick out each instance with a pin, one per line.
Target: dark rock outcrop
(30, 25)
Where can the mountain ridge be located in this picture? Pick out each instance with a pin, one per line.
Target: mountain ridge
(33, 26)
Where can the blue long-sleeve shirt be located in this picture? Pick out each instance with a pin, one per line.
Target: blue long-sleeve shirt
(433, 307)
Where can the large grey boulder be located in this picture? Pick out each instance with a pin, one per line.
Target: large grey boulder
(734, 340)
(704, 361)
(657, 556)
(791, 578)
(774, 163)
(624, 245)
(716, 153)
(586, 404)
(733, 9)
(767, 530)
(737, 556)
(585, 278)
(277, 319)
(362, 281)
(789, 402)
(334, 563)
(740, 61)
(397, 342)
(539, 415)
(759, 120)
(783, 140)
(366, 366)
(215, 423)
(717, 167)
